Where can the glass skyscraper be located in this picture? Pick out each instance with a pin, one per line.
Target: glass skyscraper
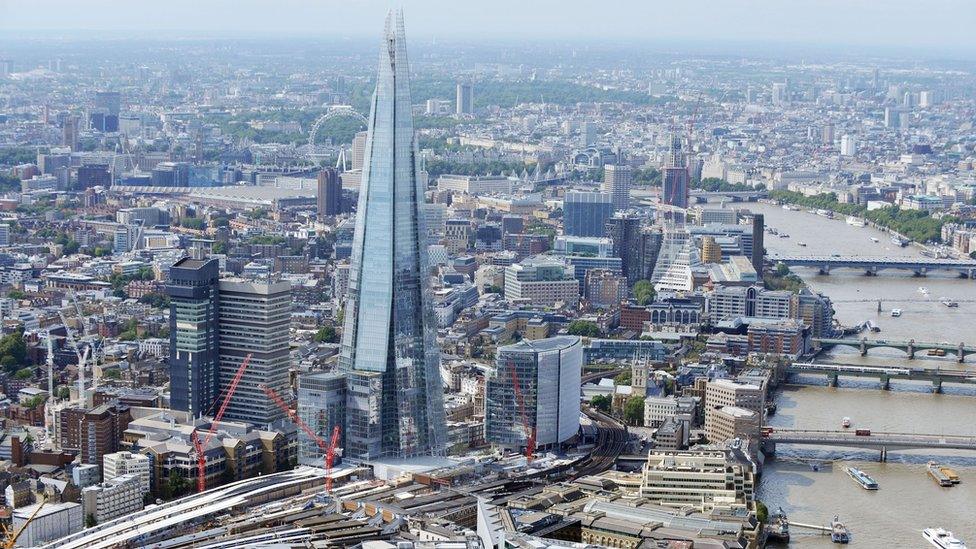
(394, 396)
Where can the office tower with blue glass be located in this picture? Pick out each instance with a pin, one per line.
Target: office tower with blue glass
(586, 213)
(394, 393)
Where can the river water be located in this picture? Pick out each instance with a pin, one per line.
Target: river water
(908, 499)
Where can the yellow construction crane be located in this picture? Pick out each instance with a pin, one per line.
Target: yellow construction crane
(10, 536)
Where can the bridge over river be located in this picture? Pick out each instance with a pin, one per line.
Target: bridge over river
(960, 350)
(936, 376)
(873, 265)
(866, 439)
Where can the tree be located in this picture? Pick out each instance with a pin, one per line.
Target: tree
(177, 485)
(63, 392)
(112, 373)
(602, 403)
(583, 328)
(326, 334)
(634, 411)
(644, 292)
(622, 379)
(13, 351)
(24, 373)
(762, 512)
(90, 521)
(16, 294)
(496, 289)
(219, 248)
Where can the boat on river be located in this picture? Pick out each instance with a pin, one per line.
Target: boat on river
(862, 478)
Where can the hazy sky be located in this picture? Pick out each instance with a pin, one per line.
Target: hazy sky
(942, 25)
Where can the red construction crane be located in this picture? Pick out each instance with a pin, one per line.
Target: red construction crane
(201, 456)
(329, 448)
(529, 431)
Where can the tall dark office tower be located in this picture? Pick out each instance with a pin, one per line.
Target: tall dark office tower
(193, 337)
(674, 190)
(69, 133)
(758, 251)
(586, 213)
(329, 196)
(464, 99)
(395, 403)
(649, 247)
(625, 231)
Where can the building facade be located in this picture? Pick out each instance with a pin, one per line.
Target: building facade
(541, 377)
(254, 318)
(395, 404)
(193, 337)
(586, 213)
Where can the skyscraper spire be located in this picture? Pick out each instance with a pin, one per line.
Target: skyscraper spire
(389, 354)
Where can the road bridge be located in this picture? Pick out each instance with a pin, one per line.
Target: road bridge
(884, 375)
(868, 439)
(960, 350)
(873, 265)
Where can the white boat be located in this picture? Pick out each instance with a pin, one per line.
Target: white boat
(801, 244)
(846, 422)
(951, 303)
(855, 221)
(896, 312)
(923, 290)
(875, 240)
(940, 537)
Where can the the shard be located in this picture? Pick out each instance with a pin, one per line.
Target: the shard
(394, 396)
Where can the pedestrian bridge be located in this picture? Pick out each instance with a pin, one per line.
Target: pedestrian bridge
(960, 350)
(850, 439)
(872, 265)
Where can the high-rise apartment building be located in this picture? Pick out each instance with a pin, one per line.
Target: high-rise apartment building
(329, 195)
(848, 145)
(547, 373)
(253, 319)
(586, 213)
(394, 405)
(617, 179)
(464, 101)
(193, 337)
(358, 150)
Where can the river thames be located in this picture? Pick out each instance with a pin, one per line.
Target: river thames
(908, 500)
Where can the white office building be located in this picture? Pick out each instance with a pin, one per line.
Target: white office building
(126, 463)
(113, 498)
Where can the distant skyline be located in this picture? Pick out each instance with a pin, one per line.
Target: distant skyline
(942, 27)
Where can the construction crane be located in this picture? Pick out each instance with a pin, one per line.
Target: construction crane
(10, 536)
(529, 431)
(97, 350)
(82, 357)
(48, 408)
(329, 449)
(195, 437)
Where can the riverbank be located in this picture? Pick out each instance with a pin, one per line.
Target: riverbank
(916, 225)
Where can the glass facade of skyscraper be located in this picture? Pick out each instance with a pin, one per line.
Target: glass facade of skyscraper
(388, 342)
